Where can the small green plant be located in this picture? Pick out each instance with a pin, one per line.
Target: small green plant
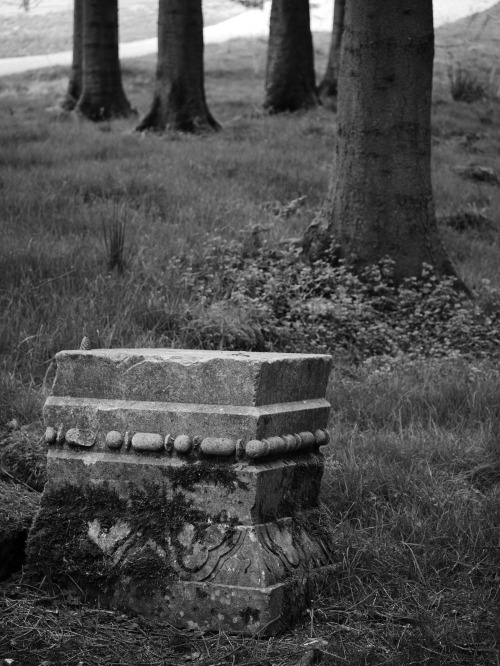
(114, 230)
(465, 85)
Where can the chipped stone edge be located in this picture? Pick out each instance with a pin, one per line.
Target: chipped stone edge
(186, 445)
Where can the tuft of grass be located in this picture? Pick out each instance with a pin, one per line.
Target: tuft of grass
(465, 86)
(114, 232)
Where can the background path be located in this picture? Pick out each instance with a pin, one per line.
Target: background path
(252, 23)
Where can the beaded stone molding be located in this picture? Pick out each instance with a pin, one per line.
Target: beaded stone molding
(149, 442)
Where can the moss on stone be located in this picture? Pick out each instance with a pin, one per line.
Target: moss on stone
(303, 489)
(156, 515)
(59, 547)
(149, 571)
(215, 472)
(313, 523)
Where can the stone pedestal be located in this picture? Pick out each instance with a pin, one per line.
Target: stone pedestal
(184, 484)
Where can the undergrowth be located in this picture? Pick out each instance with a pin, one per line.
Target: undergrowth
(273, 300)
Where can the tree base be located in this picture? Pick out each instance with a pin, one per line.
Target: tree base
(327, 94)
(68, 103)
(177, 117)
(283, 102)
(319, 242)
(96, 112)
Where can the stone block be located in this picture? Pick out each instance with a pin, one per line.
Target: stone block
(184, 484)
(194, 376)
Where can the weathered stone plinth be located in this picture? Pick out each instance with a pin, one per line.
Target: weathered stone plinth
(184, 484)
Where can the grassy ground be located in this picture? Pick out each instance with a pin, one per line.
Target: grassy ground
(411, 488)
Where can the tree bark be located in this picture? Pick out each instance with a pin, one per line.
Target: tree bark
(102, 96)
(290, 77)
(380, 202)
(179, 98)
(75, 79)
(328, 87)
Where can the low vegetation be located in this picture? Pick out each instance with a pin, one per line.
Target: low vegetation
(141, 240)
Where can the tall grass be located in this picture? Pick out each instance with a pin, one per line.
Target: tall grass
(416, 533)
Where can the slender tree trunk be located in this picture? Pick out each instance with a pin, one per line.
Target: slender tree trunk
(328, 87)
(102, 96)
(380, 202)
(179, 98)
(290, 77)
(75, 79)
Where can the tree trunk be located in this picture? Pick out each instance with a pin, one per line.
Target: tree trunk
(75, 79)
(103, 96)
(179, 99)
(328, 87)
(380, 202)
(290, 77)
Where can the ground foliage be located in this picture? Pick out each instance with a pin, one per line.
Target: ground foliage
(272, 299)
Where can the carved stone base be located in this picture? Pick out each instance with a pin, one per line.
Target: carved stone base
(215, 550)
(200, 521)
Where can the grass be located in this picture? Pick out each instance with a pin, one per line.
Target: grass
(411, 486)
(422, 532)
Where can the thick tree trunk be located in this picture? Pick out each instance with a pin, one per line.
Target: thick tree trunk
(380, 202)
(75, 78)
(103, 96)
(179, 99)
(328, 87)
(290, 77)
